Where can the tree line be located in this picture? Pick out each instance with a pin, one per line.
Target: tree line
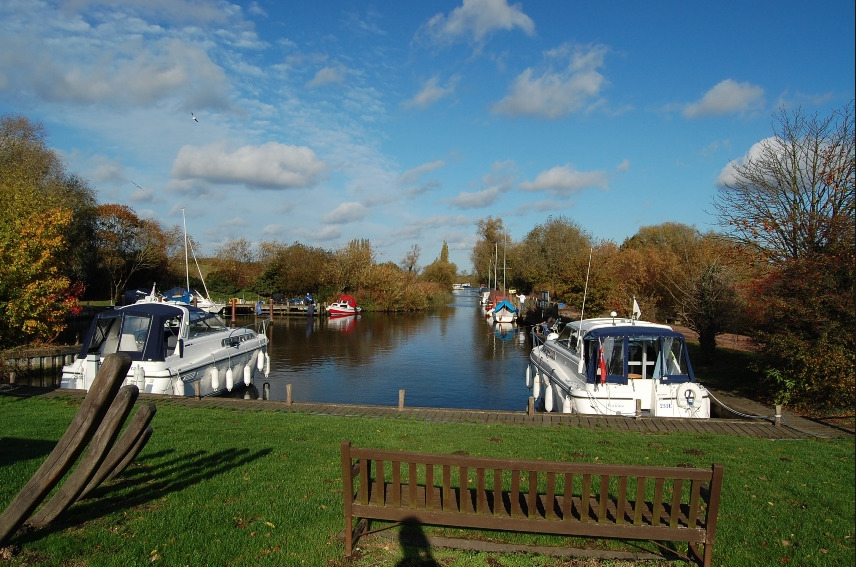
(781, 269)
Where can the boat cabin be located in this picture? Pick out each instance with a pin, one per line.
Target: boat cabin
(636, 353)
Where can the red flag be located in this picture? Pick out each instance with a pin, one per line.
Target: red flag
(602, 364)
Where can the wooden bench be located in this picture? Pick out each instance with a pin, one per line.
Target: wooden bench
(673, 504)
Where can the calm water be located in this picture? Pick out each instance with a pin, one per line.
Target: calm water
(450, 358)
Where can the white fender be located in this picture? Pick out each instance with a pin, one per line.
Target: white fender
(529, 377)
(248, 375)
(688, 395)
(267, 365)
(536, 384)
(260, 360)
(177, 386)
(140, 377)
(214, 374)
(230, 379)
(548, 397)
(566, 404)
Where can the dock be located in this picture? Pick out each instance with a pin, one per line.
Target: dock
(272, 309)
(792, 426)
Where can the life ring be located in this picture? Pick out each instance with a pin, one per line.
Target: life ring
(688, 395)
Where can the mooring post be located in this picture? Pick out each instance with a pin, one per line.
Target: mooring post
(266, 391)
(233, 303)
(400, 400)
(778, 415)
(638, 408)
(288, 394)
(530, 406)
(196, 389)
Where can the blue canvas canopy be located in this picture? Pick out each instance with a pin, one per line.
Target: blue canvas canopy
(504, 304)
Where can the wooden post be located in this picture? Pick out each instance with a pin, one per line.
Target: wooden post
(233, 301)
(288, 399)
(778, 415)
(530, 406)
(196, 389)
(271, 309)
(638, 408)
(400, 400)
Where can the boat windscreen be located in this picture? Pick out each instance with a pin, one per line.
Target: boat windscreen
(202, 322)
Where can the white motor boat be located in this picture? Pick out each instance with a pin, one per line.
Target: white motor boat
(174, 348)
(615, 366)
(345, 305)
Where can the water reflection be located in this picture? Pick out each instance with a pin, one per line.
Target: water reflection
(449, 357)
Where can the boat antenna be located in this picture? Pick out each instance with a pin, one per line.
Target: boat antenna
(186, 265)
(585, 290)
(581, 364)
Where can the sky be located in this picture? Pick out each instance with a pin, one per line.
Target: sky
(405, 123)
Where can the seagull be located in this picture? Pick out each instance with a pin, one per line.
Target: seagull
(194, 117)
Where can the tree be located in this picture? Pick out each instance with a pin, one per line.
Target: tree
(35, 296)
(793, 194)
(490, 232)
(792, 199)
(235, 261)
(441, 271)
(126, 245)
(411, 259)
(553, 256)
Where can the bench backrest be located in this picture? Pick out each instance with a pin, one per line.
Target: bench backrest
(661, 497)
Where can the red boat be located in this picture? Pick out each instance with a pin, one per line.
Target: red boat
(345, 305)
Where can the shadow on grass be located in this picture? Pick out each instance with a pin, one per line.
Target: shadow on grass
(143, 483)
(16, 449)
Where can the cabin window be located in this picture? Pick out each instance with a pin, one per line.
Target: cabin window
(202, 323)
(642, 353)
(135, 331)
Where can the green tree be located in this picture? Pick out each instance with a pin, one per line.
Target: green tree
(553, 256)
(441, 271)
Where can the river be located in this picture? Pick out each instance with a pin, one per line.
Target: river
(447, 358)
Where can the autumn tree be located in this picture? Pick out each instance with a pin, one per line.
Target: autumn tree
(45, 234)
(127, 245)
(553, 256)
(235, 266)
(411, 259)
(349, 269)
(441, 271)
(490, 233)
(792, 199)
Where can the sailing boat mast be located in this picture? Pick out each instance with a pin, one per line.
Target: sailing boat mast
(504, 248)
(495, 262)
(186, 263)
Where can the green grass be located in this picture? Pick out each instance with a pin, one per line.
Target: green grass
(221, 487)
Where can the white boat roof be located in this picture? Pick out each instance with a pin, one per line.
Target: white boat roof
(587, 325)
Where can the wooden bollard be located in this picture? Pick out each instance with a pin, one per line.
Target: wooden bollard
(530, 406)
(400, 400)
(638, 408)
(778, 415)
(197, 389)
(271, 308)
(288, 394)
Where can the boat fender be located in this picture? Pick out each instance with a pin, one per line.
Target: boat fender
(230, 379)
(552, 336)
(566, 404)
(548, 397)
(260, 360)
(688, 395)
(248, 375)
(140, 377)
(177, 386)
(529, 377)
(267, 365)
(215, 378)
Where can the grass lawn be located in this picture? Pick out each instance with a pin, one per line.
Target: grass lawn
(223, 487)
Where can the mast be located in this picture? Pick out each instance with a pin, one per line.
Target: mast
(186, 263)
(495, 262)
(504, 248)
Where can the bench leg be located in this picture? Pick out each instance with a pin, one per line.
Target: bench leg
(352, 534)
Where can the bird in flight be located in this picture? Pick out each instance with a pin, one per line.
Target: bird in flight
(194, 117)
(137, 186)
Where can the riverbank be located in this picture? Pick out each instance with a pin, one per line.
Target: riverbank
(223, 483)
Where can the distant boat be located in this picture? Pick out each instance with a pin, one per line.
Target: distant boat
(345, 305)
(175, 349)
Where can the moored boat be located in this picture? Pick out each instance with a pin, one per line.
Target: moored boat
(175, 349)
(345, 305)
(615, 366)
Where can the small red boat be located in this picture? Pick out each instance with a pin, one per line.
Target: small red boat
(345, 305)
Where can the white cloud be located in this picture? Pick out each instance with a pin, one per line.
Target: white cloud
(728, 175)
(271, 165)
(432, 92)
(727, 97)
(413, 175)
(474, 20)
(565, 180)
(466, 200)
(327, 75)
(557, 93)
(345, 213)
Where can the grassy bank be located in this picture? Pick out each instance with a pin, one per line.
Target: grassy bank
(220, 487)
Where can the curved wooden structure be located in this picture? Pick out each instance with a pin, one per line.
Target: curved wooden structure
(96, 425)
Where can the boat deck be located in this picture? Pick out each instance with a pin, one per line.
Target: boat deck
(758, 422)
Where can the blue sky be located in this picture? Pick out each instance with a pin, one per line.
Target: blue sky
(406, 122)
